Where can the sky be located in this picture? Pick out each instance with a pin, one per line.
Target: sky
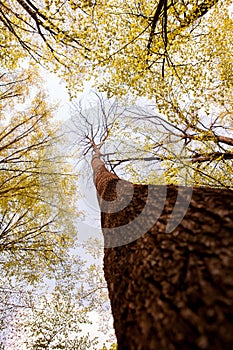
(58, 93)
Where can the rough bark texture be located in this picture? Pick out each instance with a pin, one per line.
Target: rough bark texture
(168, 290)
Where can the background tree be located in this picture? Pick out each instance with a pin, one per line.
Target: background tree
(36, 218)
(58, 312)
(53, 316)
(37, 222)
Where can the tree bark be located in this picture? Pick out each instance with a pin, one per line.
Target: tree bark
(168, 290)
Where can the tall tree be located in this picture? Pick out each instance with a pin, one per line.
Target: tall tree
(168, 289)
(168, 249)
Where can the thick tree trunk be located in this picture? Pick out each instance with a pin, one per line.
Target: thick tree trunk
(167, 290)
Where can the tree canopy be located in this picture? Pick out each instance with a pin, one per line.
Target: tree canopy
(162, 50)
(145, 46)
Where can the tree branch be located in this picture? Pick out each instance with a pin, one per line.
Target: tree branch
(154, 22)
(198, 158)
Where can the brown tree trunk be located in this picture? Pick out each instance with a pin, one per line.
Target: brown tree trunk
(168, 290)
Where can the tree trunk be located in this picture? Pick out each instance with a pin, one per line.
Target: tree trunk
(168, 290)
